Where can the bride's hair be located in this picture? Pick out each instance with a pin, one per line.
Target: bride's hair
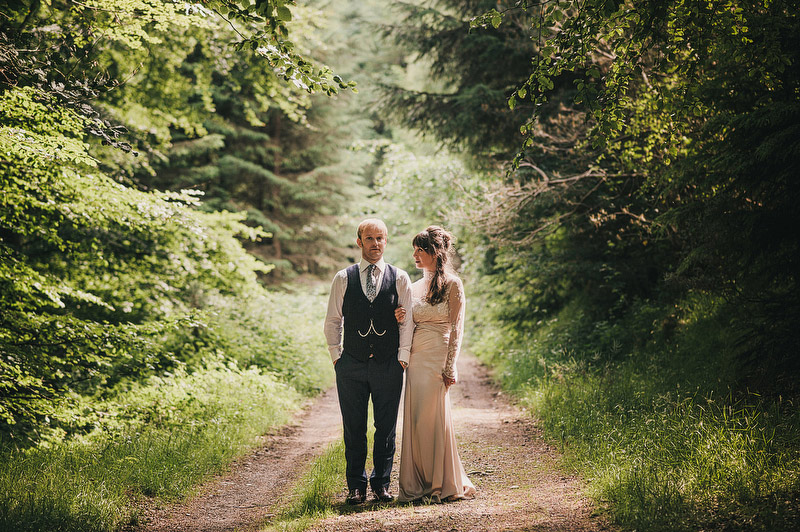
(438, 243)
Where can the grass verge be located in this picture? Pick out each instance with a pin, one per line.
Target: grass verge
(217, 414)
(243, 372)
(314, 495)
(657, 426)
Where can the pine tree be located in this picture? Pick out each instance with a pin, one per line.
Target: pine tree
(472, 73)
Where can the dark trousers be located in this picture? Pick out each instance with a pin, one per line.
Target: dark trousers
(356, 381)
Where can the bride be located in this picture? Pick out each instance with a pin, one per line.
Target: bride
(429, 461)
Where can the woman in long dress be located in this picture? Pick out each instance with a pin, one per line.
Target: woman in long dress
(430, 466)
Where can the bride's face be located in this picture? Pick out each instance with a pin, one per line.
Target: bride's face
(422, 259)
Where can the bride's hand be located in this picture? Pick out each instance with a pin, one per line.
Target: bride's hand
(400, 314)
(448, 381)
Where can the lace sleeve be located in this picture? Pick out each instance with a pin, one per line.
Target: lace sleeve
(456, 303)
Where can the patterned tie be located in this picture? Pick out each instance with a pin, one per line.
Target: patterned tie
(371, 291)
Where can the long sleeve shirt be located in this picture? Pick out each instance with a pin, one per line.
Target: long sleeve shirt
(334, 320)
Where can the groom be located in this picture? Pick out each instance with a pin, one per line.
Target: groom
(372, 358)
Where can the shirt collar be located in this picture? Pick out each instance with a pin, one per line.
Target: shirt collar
(381, 264)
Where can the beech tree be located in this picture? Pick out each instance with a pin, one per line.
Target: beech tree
(103, 276)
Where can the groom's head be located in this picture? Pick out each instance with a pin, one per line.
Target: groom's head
(372, 238)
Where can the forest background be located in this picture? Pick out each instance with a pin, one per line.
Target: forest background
(180, 181)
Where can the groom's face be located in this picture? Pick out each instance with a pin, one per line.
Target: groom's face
(372, 243)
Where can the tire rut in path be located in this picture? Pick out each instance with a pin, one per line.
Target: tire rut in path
(520, 487)
(256, 484)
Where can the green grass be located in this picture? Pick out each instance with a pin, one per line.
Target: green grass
(243, 372)
(89, 485)
(671, 464)
(655, 426)
(314, 495)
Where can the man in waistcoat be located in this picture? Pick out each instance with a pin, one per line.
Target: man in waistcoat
(371, 359)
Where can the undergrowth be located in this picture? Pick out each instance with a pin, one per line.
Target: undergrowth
(647, 409)
(163, 435)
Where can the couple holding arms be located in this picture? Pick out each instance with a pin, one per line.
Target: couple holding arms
(379, 326)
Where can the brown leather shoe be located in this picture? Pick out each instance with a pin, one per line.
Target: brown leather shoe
(383, 495)
(356, 496)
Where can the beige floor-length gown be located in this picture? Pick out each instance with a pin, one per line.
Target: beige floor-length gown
(429, 461)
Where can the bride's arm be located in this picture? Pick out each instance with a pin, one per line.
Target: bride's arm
(456, 303)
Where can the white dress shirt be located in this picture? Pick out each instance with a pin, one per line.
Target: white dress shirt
(334, 320)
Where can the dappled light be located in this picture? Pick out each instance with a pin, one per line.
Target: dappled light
(180, 181)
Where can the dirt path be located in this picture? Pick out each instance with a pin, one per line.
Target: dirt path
(519, 486)
(245, 498)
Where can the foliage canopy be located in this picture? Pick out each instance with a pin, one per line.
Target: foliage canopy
(658, 159)
(109, 276)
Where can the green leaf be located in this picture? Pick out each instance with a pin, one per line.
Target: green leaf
(284, 13)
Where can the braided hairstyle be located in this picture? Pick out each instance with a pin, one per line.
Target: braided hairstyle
(438, 243)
